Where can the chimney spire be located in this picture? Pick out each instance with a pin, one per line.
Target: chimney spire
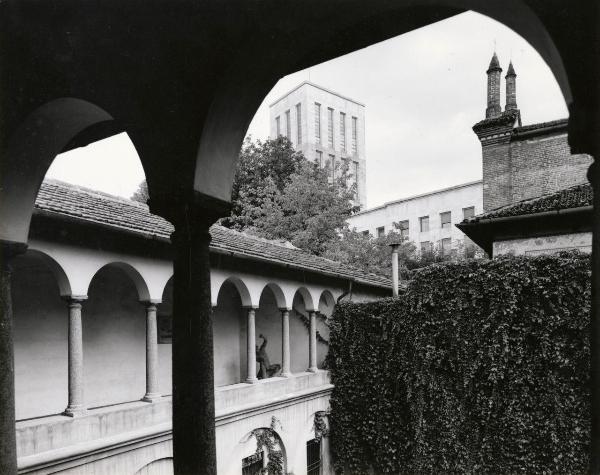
(494, 109)
(511, 88)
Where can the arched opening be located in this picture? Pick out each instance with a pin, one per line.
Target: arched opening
(40, 335)
(114, 341)
(268, 324)
(302, 305)
(326, 306)
(229, 333)
(260, 451)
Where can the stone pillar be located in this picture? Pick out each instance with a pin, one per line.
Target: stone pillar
(192, 214)
(76, 406)
(251, 347)
(312, 342)
(152, 393)
(8, 445)
(285, 343)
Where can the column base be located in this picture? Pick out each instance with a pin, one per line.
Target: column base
(286, 375)
(152, 397)
(75, 411)
(313, 369)
(251, 380)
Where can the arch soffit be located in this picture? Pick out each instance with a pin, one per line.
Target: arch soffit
(327, 297)
(282, 298)
(249, 295)
(43, 134)
(62, 279)
(136, 277)
(309, 298)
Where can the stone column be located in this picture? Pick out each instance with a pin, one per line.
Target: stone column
(152, 393)
(8, 444)
(76, 406)
(192, 214)
(285, 343)
(251, 347)
(312, 342)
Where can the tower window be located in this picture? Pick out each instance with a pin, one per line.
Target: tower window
(354, 135)
(317, 122)
(446, 219)
(313, 457)
(446, 246)
(343, 131)
(299, 123)
(288, 125)
(330, 126)
(278, 125)
(426, 247)
(332, 163)
(468, 212)
(424, 223)
(319, 158)
(380, 231)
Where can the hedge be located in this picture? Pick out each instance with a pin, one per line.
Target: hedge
(478, 367)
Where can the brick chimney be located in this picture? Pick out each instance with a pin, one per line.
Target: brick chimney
(493, 89)
(511, 88)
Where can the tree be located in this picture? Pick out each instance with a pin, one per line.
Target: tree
(141, 194)
(311, 210)
(264, 168)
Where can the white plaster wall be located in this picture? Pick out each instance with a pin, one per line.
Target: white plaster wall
(40, 335)
(114, 340)
(544, 245)
(430, 204)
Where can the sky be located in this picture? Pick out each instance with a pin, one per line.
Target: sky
(423, 91)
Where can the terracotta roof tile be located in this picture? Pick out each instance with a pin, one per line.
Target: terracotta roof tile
(573, 197)
(97, 207)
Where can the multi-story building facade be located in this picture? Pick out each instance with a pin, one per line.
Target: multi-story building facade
(427, 219)
(326, 127)
(93, 312)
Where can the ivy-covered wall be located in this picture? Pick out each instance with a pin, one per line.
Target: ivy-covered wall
(478, 367)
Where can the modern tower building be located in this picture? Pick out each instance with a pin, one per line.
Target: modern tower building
(326, 127)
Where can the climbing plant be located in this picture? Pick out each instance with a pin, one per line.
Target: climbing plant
(478, 367)
(267, 441)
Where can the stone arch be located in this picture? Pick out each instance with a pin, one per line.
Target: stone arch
(247, 446)
(279, 295)
(242, 289)
(326, 300)
(138, 280)
(237, 98)
(62, 280)
(43, 134)
(309, 301)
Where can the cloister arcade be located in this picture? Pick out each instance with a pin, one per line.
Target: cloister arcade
(119, 308)
(184, 81)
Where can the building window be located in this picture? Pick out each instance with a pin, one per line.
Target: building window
(317, 122)
(403, 228)
(253, 465)
(424, 223)
(313, 457)
(354, 135)
(380, 231)
(330, 127)
(426, 247)
(446, 245)
(343, 131)
(468, 212)
(319, 158)
(278, 125)
(365, 233)
(446, 219)
(288, 125)
(299, 123)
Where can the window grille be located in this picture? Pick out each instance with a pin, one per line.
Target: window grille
(317, 122)
(253, 464)
(354, 135)
(313, 457)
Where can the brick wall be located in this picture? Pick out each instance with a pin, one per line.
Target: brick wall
(526, 162)
(496, 176)
(544, 164)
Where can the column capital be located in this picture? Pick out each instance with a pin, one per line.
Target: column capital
(74, 299)
(191, 209)
(285, 309)
(151, 303)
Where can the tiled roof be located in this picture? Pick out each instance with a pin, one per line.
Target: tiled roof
(573, 197)
(97, 207)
